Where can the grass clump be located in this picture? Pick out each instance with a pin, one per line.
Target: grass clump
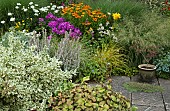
(142, 87)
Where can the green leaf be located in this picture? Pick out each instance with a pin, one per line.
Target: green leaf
(87, 78)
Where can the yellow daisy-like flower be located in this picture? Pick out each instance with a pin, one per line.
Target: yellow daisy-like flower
(116, 16)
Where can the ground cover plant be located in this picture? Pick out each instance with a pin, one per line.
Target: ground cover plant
(84, 97)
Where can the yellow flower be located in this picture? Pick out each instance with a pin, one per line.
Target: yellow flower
(116, 16)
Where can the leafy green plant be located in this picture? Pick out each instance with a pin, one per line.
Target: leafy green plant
(86, 98)
(163, 66)
(142, 87)
(105, 61)
(28, 77)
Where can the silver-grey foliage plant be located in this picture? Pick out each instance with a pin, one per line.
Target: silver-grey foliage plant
(69, 52)
(27, 79)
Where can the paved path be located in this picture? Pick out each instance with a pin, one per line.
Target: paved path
(158, 101)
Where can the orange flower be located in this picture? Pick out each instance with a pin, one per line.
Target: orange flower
(86, 7)
(65, 10)
(76, 15)
(95, 19)
(86, 23)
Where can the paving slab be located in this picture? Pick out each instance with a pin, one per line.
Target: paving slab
(150, 108)
(166, 94)
(147, 99)
(117, 84)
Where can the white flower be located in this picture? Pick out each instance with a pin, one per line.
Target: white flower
(9, 14)
(25, 9)
(12, 19)
(100, 24)
(54, 6)
(48, 6)
(60, 7)
(32, 7)
(17, 7)
(107, 23)
(43, 9)
(108, 13)
(2, 22)
(35, 10)
(36, 14)
(31, 3)
(100, 28)
(56, 11)
(36, 5)
(18, 3)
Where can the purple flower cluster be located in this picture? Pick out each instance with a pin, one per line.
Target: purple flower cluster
(60, 26)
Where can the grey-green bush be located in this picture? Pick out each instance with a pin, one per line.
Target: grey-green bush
(27, 78)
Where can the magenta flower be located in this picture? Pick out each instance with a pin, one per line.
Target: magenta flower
(49, 37)
(52, 24)
(60, 26)
(50, 16)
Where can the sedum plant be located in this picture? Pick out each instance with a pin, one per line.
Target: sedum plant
(27, 78)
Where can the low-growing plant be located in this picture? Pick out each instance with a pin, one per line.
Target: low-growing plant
(86, 98)
(163, 66)
(27, 77)
(142, 87)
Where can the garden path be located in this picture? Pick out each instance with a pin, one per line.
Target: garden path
(157, 101)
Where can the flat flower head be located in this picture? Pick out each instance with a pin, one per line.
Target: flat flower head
(9, 14)
(18, 3)
(31, 3)
(2, 22)
(16, 7)
(116, 16)
(12, 19)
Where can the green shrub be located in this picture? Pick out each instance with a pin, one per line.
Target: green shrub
(86, 98)
(105, 61)
(27, 77)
